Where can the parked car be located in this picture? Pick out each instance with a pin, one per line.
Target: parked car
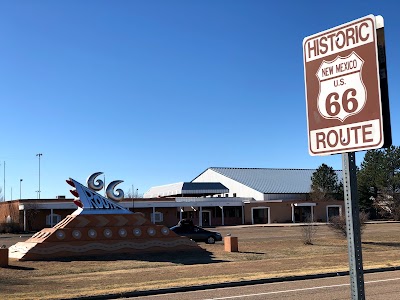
(196, 233)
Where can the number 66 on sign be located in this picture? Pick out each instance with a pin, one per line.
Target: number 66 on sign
(343, 96)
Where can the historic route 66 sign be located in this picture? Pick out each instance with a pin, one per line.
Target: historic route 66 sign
(342, 89)
(342, 92)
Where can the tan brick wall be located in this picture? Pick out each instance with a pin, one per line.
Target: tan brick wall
(281, 212)
(320, 209)
(9, 213)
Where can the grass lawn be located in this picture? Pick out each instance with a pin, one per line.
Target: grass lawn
(264, 252)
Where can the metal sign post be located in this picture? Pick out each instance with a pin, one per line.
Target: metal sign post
(348, 110)
(353, 226)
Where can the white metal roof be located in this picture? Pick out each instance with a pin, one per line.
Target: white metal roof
(272, 181)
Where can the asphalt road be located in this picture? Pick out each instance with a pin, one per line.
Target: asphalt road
(378, 286)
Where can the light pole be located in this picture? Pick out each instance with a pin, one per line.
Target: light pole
(20, 183)
(4, 178)
(133, 204)
(1, 199)
(39, 155)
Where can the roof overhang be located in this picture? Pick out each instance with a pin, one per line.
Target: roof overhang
(305, 204)
(198, 189)
(136, 204)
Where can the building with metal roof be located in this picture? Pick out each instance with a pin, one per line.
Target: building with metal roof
(262, 183)
(254, 195)
(218, 196)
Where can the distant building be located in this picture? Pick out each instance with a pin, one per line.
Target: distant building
(218, 196)
(255, 195)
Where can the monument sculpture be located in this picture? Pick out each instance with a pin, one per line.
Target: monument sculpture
(99, 226)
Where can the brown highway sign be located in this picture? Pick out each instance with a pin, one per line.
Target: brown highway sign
(344, 111)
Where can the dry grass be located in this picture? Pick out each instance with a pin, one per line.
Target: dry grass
(265, 252)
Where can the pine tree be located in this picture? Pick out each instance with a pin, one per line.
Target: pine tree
(368, 178)
(325, 184)
(379, 181)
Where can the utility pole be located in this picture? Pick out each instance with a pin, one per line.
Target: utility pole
(133, 204)
(20, 194)
(1, 199)
(4, 185)
(104, 185)
(39, 155)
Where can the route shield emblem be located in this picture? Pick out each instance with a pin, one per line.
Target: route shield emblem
(342, 92)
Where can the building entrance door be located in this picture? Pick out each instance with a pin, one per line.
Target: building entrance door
(302, 214)
(260, 215)
(333, 211)
(206, 215)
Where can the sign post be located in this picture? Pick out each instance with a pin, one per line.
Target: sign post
(353, 226)
(344, 81)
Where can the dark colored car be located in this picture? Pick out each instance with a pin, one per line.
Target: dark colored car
(196, 233)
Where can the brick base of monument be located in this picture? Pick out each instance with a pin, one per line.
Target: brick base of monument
(93, 235)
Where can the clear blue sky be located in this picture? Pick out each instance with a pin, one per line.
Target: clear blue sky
(155, 92)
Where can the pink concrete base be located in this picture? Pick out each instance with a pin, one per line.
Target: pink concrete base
(88, 235)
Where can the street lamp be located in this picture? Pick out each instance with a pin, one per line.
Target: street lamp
(39, 155)
(20, 183)
(4, 183)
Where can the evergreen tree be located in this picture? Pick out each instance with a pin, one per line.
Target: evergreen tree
(379, 181)
(325, 184)
(368, 177)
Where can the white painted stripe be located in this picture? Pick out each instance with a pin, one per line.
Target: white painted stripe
(299, 290)
(280, 292)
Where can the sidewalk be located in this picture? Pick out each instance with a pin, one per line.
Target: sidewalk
(296, 224)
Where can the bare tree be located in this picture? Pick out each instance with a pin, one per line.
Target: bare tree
(388, 204)
(338, 224)
(308, 230)
(133, 193)
(32, 209)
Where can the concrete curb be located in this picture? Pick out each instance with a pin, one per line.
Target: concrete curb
(227, 284)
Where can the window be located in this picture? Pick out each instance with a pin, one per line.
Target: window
(332, 211)
(52, 219)
(232, 212)
(156, 217)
